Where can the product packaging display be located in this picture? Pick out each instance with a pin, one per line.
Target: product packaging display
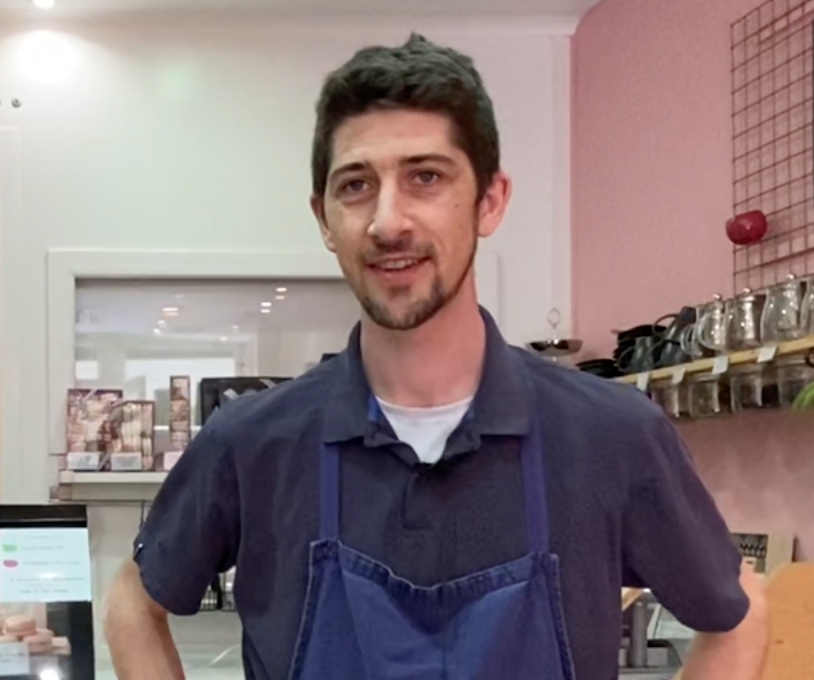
(130, 443)
(88, 413)
(180, 412)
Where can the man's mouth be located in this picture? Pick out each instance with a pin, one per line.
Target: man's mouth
(396, 265)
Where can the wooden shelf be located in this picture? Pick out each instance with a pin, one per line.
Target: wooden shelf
(112, 487)
(749, 356)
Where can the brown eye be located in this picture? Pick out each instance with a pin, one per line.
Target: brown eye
(354, 186)
(426, 177)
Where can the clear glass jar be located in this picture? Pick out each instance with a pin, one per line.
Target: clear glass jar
(671, 398)
(793, 374)
(752, 386)
(707, 396)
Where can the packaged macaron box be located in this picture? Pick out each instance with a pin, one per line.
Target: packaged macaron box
(46, 619)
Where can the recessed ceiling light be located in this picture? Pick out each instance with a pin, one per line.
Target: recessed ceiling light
(266, 310)
(170, 311)
(157, 331)
(161, 322)
(235, 328)
(179, 296)
(44, 4)
(223, 339)
(282, 290)
(279, 297)
(265, 304)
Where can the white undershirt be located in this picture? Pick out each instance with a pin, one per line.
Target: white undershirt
(426, 430)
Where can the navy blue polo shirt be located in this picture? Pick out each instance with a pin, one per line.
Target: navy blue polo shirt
(626, 506)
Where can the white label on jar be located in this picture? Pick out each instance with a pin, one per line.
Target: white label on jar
(766, 354)
(642, 381)
(720, 365)
(678, 374)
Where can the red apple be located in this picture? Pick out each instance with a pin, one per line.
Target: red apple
(747, 228)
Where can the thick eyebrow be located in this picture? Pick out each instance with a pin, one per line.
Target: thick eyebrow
(358, 166)
(428, 158)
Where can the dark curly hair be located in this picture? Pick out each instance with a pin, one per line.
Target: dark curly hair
(417, 75)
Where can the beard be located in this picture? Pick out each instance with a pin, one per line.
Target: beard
(391, 315)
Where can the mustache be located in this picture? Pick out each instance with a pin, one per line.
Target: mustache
(402, 246)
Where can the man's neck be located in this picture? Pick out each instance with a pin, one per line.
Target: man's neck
(437, 363)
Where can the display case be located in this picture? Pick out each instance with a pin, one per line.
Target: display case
(45, 593)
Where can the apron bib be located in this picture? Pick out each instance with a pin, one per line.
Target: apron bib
(363, 622)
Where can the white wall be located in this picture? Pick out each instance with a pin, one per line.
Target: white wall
(183, 134)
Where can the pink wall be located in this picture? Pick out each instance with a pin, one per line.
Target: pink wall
(652, 189)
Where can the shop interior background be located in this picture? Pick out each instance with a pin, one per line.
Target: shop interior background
(125, 128)
(159, 133)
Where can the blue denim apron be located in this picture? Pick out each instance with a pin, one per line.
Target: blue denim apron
(363, 622)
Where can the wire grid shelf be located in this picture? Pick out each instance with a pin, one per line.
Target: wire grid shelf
(772, 110)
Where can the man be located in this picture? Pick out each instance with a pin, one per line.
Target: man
(431, 503)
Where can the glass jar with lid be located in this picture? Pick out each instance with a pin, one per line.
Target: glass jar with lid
(671, 397)
(707, 396)
(752, 386)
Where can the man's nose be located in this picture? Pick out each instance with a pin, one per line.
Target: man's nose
(390, 221)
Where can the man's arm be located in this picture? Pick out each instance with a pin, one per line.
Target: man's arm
(138, 632)
(741, 652)
(190, 535)
(676, 543)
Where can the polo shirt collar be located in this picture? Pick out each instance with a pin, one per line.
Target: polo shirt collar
(500, 406)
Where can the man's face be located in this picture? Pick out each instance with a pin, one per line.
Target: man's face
(400, 213)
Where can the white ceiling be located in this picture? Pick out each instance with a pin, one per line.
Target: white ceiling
(461, 8)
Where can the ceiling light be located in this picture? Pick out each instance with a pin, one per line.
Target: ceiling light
(265, 304)
(279, 297)
(223, 339)
(157, 331)
(170, 310)
(161, 322)
(265, 311)
(179, 296)
(48, 58)
(44, 4)
(282, 290)
(235, 328)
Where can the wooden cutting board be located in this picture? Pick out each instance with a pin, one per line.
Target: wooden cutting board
(790, 594)
(629, 596)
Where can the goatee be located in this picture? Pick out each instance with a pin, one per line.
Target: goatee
(383, 314)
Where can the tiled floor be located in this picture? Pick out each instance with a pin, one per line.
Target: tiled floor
(200, 663)
(209, 645)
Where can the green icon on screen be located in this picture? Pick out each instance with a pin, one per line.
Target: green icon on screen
(9, 547)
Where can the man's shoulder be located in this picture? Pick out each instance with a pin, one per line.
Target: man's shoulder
(585, 398)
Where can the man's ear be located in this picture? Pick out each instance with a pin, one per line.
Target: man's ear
(318, 208)
(493, 204)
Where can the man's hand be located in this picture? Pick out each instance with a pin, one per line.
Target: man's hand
(741, 652)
